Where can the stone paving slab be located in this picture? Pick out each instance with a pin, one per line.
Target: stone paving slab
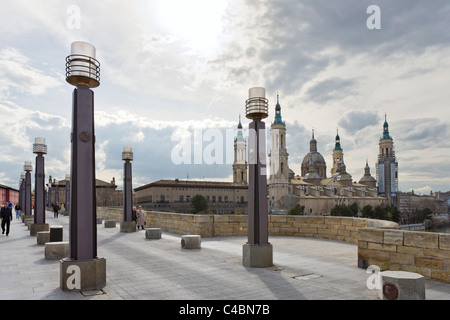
(138, 269)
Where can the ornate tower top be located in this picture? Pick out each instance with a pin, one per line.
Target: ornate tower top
(386, 129)
(278, 119)
(338, 141)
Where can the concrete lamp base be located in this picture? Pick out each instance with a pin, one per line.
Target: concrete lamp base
(82, 275)
(127, 227)
(35, 228)
(257, 256)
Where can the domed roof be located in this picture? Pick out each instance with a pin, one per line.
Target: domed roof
(367, 179)
(315, 157)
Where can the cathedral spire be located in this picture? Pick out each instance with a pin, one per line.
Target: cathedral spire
(278, 118)
(386, 128)
(338, 141)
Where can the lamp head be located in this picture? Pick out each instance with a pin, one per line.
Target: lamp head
(82, 69)
(257, 106)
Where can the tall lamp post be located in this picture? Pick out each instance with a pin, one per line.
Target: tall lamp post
(257, 252)
(39, 148)
(83, 72)
(22, 194)
(28, 167)
(127, 225)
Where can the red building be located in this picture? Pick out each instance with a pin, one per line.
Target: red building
(8, 194)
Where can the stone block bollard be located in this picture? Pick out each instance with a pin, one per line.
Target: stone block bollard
(401, 285)
(43, 237)
(99, 220)
(191, 242)
(110, 223)
(56, 250)
(153, 233)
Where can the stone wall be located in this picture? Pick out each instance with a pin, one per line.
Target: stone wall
(334, 228)
(426, 253)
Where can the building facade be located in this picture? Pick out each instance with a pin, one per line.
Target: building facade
(312, 189)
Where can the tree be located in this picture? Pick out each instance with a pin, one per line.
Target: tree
(394, 214)
(198, 204)
(341, 210)
(297, 210)
(354, 209)
(367, 212)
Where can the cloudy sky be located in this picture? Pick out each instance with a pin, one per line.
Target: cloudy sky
(175, 69)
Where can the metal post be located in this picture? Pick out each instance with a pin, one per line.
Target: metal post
(28, 208)
(83, 71)
(257, 252)
(127, 156)
(83, 226)
(39, 148)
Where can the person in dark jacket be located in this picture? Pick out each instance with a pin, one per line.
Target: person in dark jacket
(6, 217)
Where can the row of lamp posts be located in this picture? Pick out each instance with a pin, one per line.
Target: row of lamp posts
(83, 72)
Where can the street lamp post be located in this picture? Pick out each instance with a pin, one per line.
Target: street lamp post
(257, 252)
(28, 167)
(83, 72)
(39, 148)
(127, 225)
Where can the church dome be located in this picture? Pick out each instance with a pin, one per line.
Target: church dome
(315, 157)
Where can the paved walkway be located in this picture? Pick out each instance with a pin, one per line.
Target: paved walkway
(305, 269)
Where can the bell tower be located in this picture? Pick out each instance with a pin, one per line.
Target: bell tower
(387, 167)
(279, 167)
(240, 162)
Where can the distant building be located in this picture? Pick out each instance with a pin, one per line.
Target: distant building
(222, 197)
(313, 189)
(175, 196)
(8, 194)
(106, 193)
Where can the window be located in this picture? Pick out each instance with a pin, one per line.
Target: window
(213, 198)
(188, 198)
(220, 198)
(181, 198)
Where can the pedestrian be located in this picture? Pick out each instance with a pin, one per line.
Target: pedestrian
(55, 210)
(140, 218)
(133, 215)
(17, 208)
(6, 217)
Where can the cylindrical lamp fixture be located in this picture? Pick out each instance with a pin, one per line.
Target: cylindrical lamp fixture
(257, 106)
(28, 166)
(82, 69)
(127, 154)
(39, 146)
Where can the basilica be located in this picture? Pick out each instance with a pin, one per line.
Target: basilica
(317, 192)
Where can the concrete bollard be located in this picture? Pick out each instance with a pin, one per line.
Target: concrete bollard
(99, 220)
(153, 233)
(43, 237)
(191, 242)
(35, 228)
(56, 250)
(110, 223)
(401, 285)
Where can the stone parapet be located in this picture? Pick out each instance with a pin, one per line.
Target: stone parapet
(426, 253)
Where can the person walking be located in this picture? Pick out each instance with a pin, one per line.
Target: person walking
(140, 218)
(17, 208)
(55, 210)
(6, 217)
